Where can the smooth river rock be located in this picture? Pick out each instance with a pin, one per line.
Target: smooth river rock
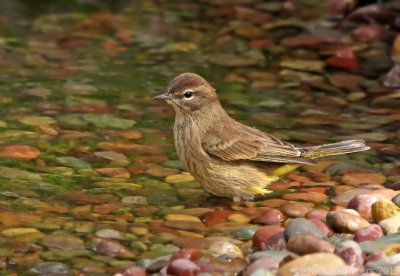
(311, 264)
(306, 244)
(348, 222)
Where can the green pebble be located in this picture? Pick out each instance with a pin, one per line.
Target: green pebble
(139, 246)
(243, 234)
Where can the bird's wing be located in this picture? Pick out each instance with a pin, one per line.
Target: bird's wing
(251, 144)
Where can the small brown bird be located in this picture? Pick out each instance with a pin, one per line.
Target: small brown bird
(228, 158)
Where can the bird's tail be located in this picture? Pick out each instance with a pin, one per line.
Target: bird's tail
(335, 148)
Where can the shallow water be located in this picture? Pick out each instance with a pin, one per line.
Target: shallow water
(88, 157)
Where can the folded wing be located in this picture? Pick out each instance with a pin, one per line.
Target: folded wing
(251, 144)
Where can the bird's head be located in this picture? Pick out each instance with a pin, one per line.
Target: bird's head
(189, 92)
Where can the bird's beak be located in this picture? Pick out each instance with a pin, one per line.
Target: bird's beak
(163, 97)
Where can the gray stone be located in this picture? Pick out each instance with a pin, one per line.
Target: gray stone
(302, 226)
(48, 268)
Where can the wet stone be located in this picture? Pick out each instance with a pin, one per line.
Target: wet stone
(185, 225)
(54, 268)
(322, 226)
(216, 217)
(345, 59)
(191, 242)
(249, 58)
(379, 243)
(243, 234)
(377, 64)
(305, 65)
(105, 208)
(390, 225)
(63, 255)
(114, 172)
(345, 197)
(187, 253)
(317, 214)
(391, 249)
(371, 232)
(37, 120)
(350, 252)
(268, 237)
(63, 241)
(367, 33)
(178, 217)
(306, 40)
(295, 209)
(384, 209)
(112, 249)
(396, 200)
(302, 226)
(214, 265)
(23, 152)
(239, 218)
(134, 271)
(281, 254)
(139, 231)
(311, 264)
(13, 173)
(307, 243)
(264, 263)
(138, 246)
(178, 178)
(156, 171)
(355, 96)
(270, 217)
(347, 222)
(157, 250)
(225, 248)
(114, 234)
(362, 204)
(13, 232)
(139, 200)
(357, 179)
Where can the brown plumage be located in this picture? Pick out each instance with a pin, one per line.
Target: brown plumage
(229, 158)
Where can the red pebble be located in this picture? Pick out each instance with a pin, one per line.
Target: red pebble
(288, 7)
(216, 217)
(270, 217)
(376, 256)
(344, 59)
(337, 208)
(134, 271)
(186, 253)
(183, 267)
(325, 228)
(367, 33)
(317, 214)
(191, 242)
(371, 232)
(362, 204)
(268, 236)
(339, 7)
(260, 43)
(351, 253)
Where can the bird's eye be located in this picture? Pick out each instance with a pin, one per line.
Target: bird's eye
(188, 94)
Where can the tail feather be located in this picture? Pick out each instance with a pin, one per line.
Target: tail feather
(343, 147)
